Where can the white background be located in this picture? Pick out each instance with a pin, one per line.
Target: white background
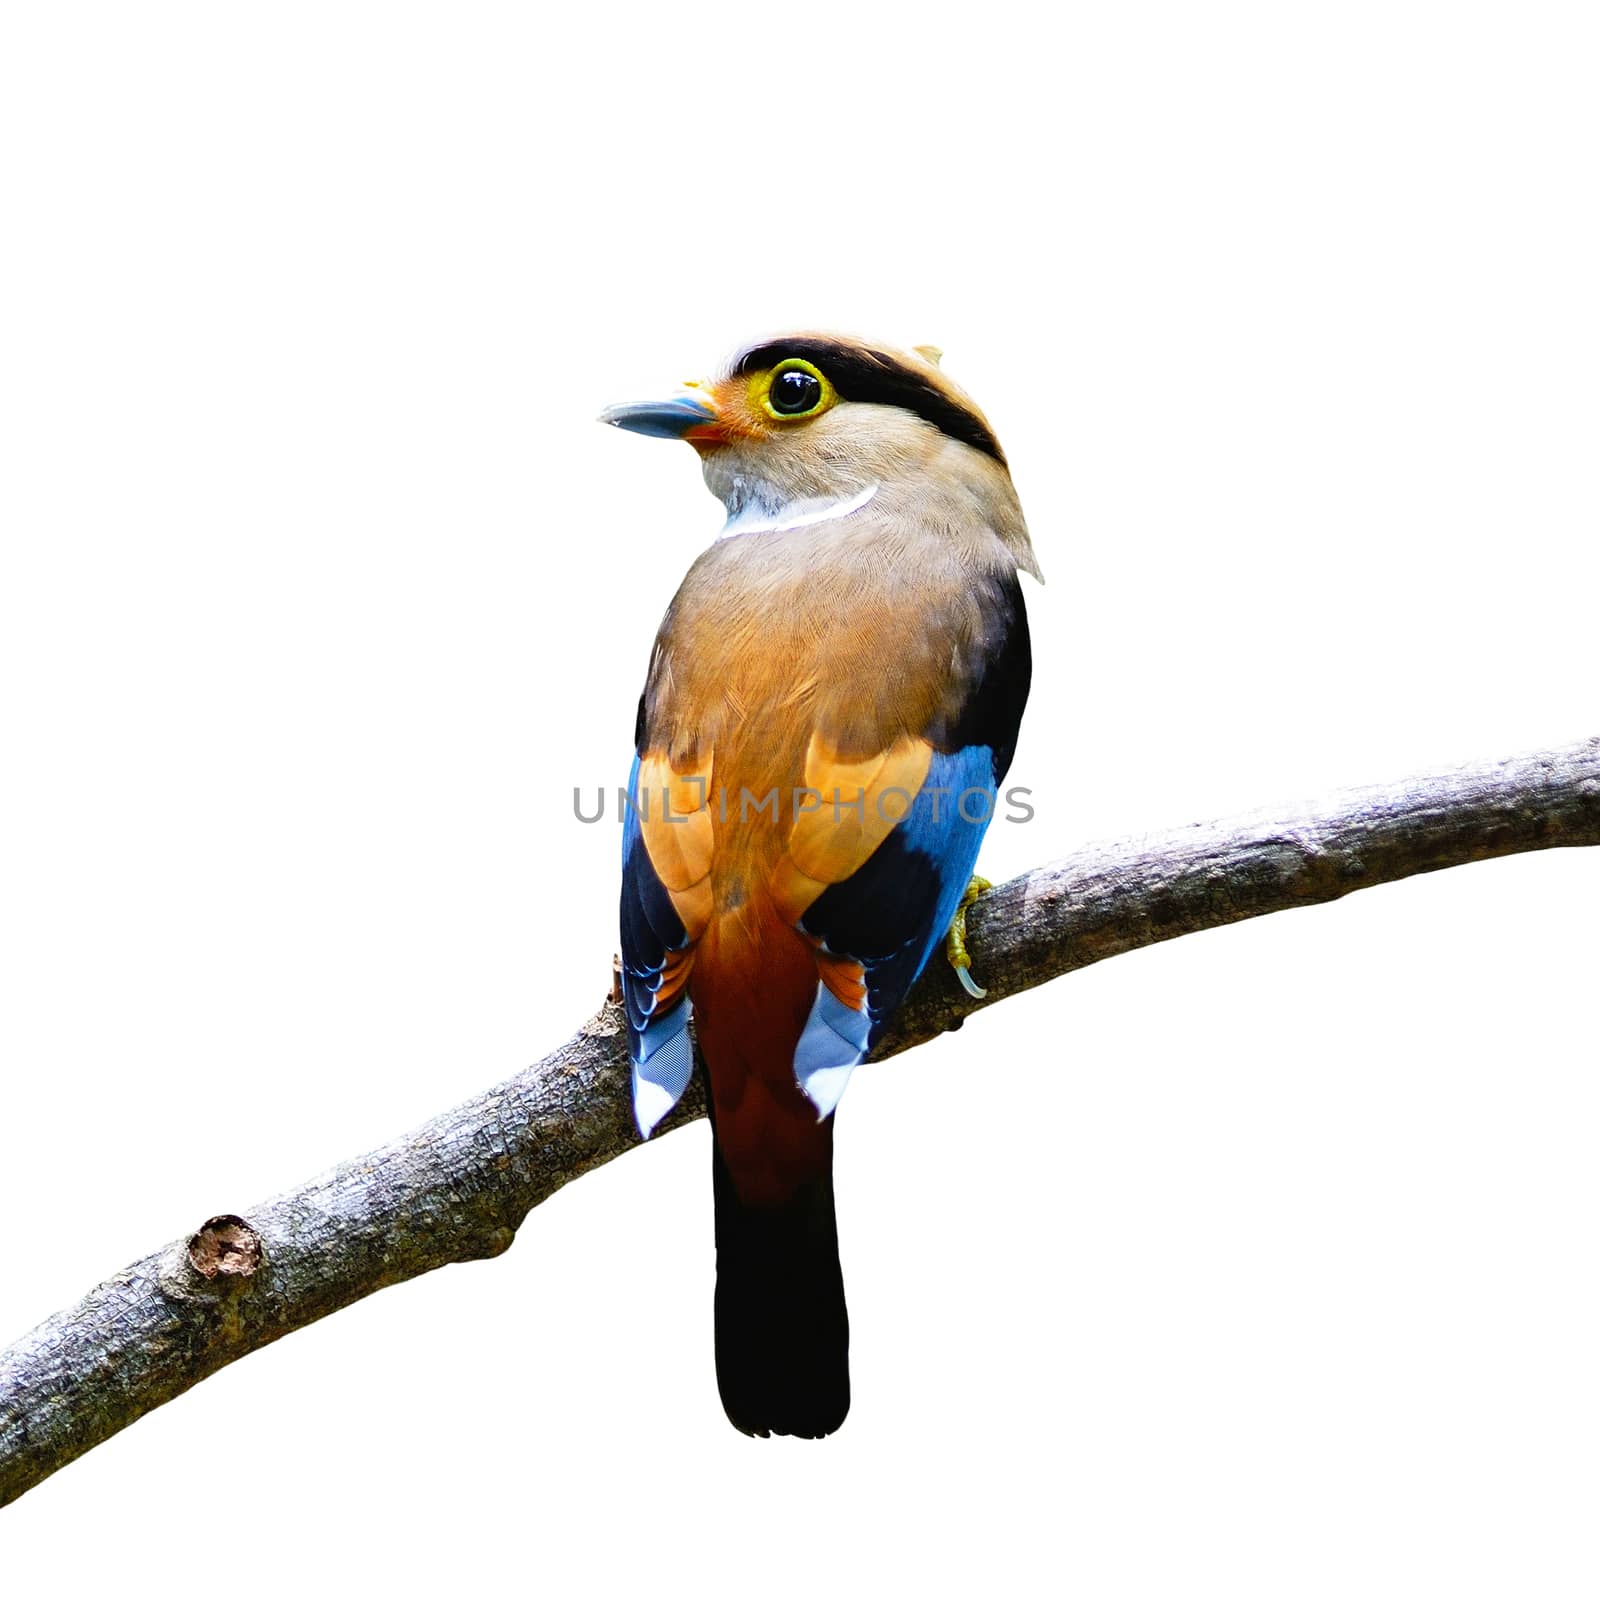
(1262, 1263)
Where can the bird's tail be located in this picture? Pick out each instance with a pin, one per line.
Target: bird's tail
(783, 1334)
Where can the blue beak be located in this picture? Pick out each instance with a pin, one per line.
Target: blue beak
(664, 419)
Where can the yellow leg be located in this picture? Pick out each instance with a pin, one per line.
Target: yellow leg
(955, 942)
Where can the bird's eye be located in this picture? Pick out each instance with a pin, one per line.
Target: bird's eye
(794, 392)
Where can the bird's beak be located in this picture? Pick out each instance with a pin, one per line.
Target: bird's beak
(690, 414)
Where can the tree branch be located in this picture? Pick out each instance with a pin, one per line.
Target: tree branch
(458, 1188)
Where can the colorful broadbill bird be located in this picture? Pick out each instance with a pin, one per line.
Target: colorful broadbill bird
(832, 701)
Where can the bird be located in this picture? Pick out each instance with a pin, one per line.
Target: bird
(832, 700)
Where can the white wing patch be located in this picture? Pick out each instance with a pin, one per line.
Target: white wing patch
(830, 1048)
(665, 1064)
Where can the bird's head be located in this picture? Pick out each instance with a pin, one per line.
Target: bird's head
(796, 424)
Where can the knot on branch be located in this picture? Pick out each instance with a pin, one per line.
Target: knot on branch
(225, 1248)
(215, 1266)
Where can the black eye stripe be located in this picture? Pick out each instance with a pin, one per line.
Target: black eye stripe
(874, 376)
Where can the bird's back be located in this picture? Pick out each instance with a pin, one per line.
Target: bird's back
(787, 666)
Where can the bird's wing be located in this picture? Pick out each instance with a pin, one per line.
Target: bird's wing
(875, 872)
(666, 900)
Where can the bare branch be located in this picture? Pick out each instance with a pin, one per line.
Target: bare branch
(458, 1188)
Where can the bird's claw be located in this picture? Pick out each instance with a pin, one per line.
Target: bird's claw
(955, 942)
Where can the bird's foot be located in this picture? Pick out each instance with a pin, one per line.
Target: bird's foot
(955, 942)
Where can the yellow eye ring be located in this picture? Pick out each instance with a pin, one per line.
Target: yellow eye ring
(793, 391)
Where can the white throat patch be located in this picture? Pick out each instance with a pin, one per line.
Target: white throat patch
(755, 518)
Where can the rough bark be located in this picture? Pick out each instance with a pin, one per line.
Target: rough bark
(458, 1188)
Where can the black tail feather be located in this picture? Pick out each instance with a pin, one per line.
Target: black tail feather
(783, 1334)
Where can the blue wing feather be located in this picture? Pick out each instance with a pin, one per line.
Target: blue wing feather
(659, 1045)
(892, 913)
